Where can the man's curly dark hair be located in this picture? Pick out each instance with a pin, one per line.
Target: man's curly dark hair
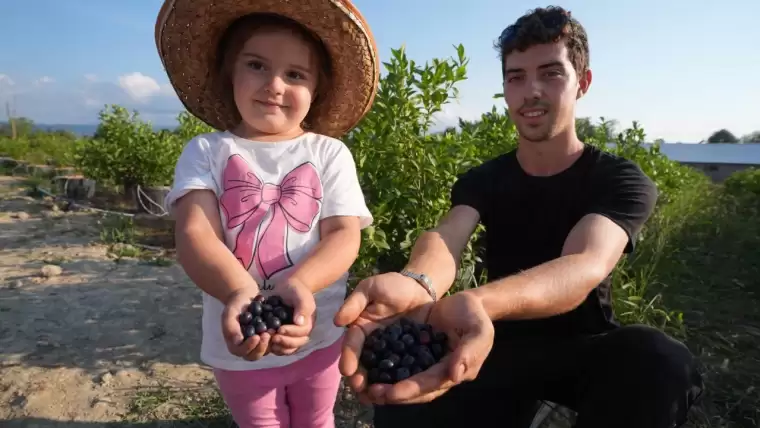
(546, 25)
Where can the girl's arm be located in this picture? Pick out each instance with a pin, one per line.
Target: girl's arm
(201, 250)
(332, 256)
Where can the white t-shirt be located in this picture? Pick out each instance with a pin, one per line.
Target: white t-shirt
(271, 198)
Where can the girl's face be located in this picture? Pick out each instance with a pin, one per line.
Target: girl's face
(274, 79)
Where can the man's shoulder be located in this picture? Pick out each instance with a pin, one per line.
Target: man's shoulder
(613, 168)
(489, 168)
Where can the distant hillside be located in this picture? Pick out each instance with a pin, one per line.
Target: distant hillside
(84, 130)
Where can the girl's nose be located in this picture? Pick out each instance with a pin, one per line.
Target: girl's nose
(275, 84)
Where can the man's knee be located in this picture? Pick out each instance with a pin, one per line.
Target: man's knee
(651, 358)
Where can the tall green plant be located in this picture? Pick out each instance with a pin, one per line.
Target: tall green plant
(126, 151)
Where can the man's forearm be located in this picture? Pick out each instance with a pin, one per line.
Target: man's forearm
(552, 288)
(432, 256)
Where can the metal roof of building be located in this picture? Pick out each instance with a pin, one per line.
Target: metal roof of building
(723, 153)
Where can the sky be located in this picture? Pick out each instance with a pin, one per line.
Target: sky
(681, 69)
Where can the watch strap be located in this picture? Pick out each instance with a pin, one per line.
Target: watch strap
(423, 280)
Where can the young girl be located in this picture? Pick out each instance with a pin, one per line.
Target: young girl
(270, 204)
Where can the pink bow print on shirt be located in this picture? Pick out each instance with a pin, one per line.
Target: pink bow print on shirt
(247, 200)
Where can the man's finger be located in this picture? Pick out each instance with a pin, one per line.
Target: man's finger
(470, 353)
(352, 307)
(351, 350)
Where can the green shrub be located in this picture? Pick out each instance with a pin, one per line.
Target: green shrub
(39, 148)
(126, 151)
(745, 183)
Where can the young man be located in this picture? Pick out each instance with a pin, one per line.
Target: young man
(559, 215)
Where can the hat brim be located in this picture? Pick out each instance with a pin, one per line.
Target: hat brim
(188, 33)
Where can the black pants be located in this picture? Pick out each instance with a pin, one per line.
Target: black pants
(630, 377)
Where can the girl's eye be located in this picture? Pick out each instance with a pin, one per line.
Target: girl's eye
(295, 75)
(256, 65)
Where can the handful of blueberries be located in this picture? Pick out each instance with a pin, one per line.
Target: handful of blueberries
(401, 350)
(265, 313)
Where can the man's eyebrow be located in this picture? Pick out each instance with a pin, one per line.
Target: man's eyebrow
(540, 67)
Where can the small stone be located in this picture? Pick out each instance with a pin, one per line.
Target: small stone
(49, 271)
(21, 215)
(15, 284)
(106, 378)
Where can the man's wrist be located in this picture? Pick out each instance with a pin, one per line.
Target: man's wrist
(422, 280)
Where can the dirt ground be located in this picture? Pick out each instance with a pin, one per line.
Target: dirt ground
(89, 339)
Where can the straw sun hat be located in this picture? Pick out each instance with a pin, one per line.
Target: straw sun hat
(188, 33)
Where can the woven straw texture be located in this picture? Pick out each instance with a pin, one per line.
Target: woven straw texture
(188, 31)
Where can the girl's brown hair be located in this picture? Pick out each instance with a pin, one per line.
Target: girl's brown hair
(238, 33)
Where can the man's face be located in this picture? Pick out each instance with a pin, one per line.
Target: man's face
(541, 88)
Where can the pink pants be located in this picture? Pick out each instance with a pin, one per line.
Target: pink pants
(299, 395)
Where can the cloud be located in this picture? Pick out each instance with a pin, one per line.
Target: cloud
(139, 86)
(44, 80)
(79, 101)
(6, 80)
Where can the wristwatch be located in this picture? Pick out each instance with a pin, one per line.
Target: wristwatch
(424, 281)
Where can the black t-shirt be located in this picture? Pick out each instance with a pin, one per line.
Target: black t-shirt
(527, 219)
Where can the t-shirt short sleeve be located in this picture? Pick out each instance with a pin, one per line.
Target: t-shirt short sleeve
(192, 172)
(343, 195)
(626, 196)
(470, 189)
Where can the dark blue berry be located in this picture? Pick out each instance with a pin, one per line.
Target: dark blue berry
(246, 318)
(408, 340)
(260, 328)
(384, 378)
(379, 345)
(402, 373)
(274, 323)
(248, 331)
(385, 364)
(255, 308)
(397, 346)
(407, 361)
(267, 307)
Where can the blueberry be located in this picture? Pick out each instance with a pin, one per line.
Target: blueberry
(408, 340)
(368, 358)
(374, 375)
(385, 364)
(369, 343)
(379, 345)
(255, 308)
(384, 378)
(274, 301)
(394, 358)
(281, 313)
(260, 327)
(397, 346)
(274, 323)
(424, 338)
(394, 331)
(408, 361)
(437, 350)
(402, 373)
(415, 370)
(248, 331)
(266, 307)
(425, 361)
(246, 318)
(259, 298)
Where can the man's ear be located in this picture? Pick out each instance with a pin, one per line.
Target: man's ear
(583, 84)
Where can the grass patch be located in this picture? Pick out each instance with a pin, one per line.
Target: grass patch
(179, 407)
(712, 269)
